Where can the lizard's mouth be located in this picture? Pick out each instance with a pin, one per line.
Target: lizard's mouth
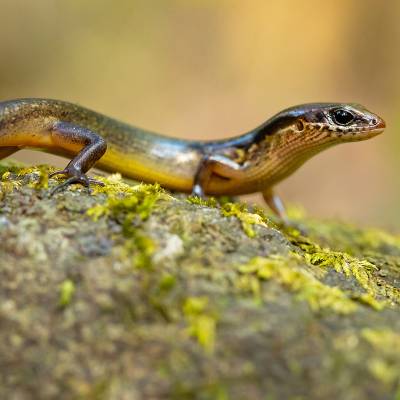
(374, 129)
(380, 126)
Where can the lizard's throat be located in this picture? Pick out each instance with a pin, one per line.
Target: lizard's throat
(291, 151)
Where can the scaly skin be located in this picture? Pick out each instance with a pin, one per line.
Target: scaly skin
(249, 163)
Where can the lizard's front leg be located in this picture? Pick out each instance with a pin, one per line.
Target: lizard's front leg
(91, 148)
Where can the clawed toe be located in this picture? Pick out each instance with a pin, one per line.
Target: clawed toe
(63, 185)
(82, 179)
(62, 172)
(95, 182)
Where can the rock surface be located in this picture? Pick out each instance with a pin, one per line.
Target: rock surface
(134, 293)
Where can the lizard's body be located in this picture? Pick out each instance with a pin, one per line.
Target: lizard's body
(253, 162)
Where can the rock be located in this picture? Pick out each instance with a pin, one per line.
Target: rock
(133, 293)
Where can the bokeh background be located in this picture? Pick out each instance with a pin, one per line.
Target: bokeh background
(210, 69)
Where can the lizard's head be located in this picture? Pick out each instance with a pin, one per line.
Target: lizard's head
(298, 133)
(339, 121)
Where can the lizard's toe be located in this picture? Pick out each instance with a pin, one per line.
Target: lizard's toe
(83, 179)
(61, 172)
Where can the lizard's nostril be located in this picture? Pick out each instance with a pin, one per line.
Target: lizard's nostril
(374, 121)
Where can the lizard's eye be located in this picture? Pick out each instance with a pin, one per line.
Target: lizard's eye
(342, 117)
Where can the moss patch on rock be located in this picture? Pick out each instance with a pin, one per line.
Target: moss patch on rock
(132, 292)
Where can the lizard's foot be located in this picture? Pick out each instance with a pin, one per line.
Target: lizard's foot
(74, 177)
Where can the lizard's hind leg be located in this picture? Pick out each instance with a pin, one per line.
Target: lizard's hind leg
(214, 164)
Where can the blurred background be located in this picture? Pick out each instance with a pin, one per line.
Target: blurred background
(209, 69)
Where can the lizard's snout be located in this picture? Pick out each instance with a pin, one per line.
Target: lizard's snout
(380, 124)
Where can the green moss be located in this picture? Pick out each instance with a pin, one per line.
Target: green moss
(306, 287)
(142, 247)
(129, 206)
(10, 166)
(343, 236)
(210, 202)
(201, 321)
(16, 174)
(370, 300)
(167, 282)
(375, 238)
(190, 311)
(249, 283)
(99, 390)
(127, 200)
(385, 364)
(238, 210)
(114, 186)
(247, 219)
(7, 185)
(137, 204)
(67, 290)
(362, 270)
(38, 174)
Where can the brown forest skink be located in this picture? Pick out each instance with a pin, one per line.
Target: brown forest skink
(253, 162)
